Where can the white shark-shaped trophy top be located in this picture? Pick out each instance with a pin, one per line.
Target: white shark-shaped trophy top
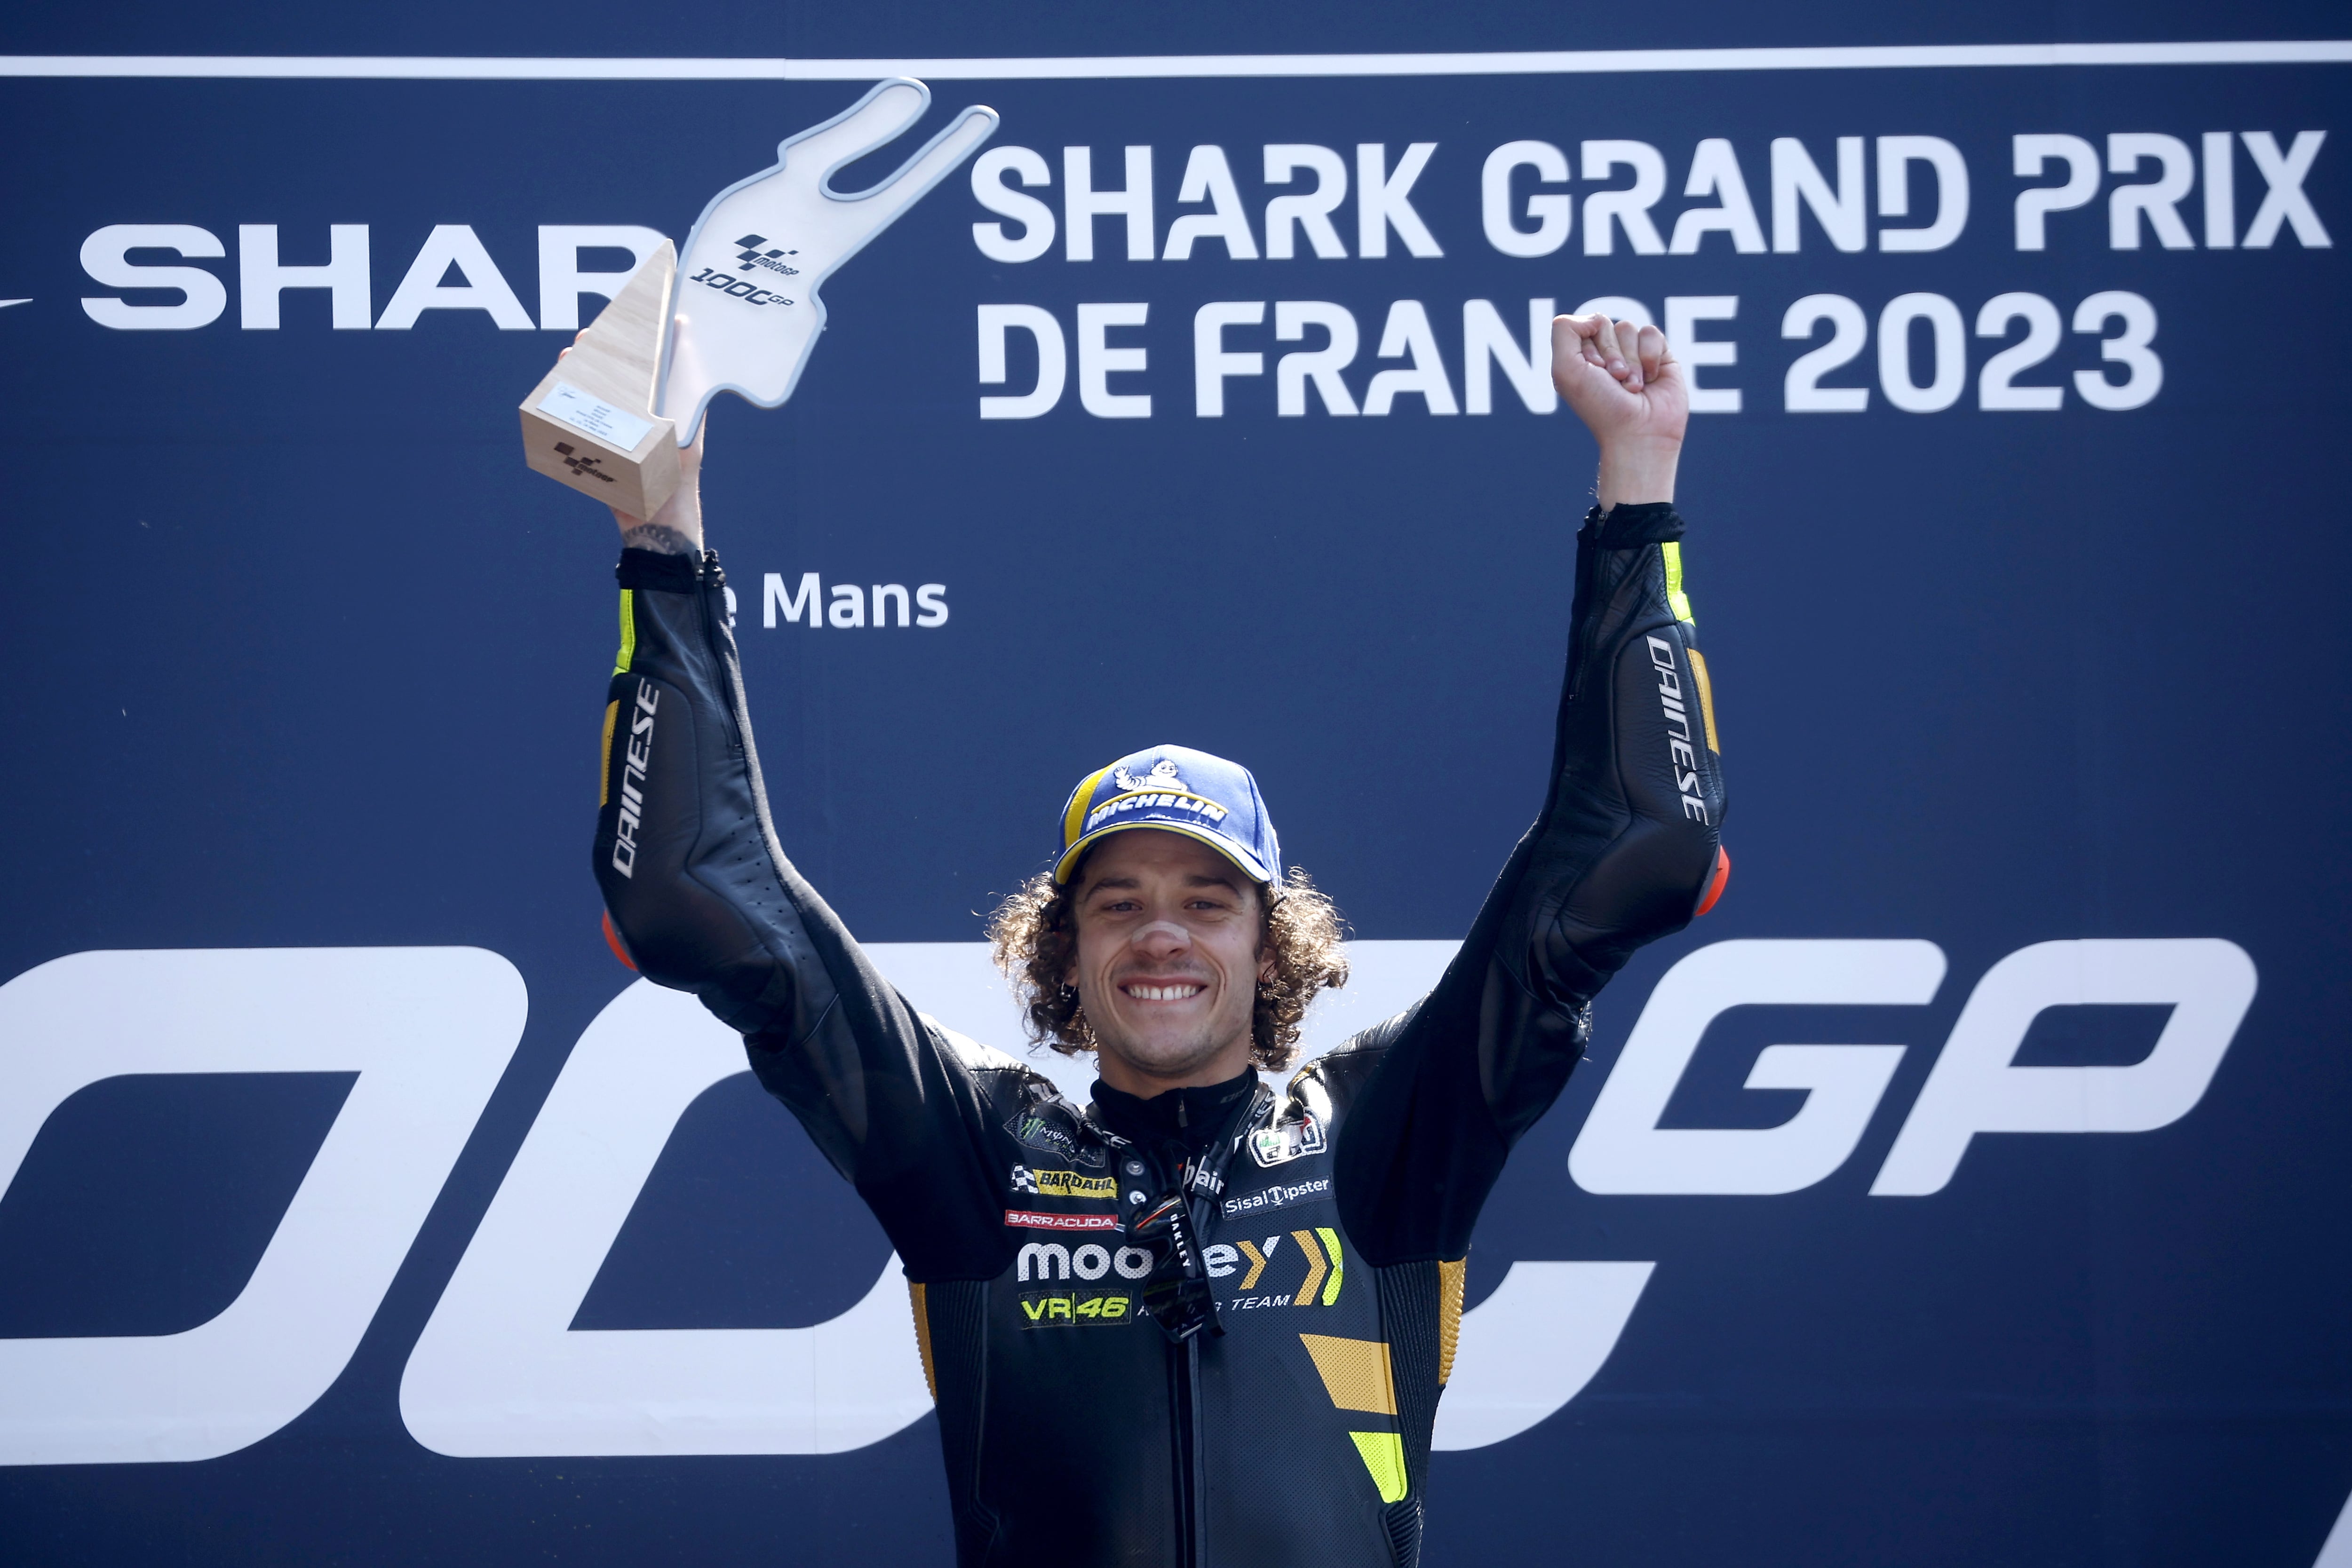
(749, 280)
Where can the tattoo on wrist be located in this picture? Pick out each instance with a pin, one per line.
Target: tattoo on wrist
(657, 536)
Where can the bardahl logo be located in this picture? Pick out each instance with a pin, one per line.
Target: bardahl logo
(1062, 1184)
(632, 778)
(1276, 1196)
(1287, 1141)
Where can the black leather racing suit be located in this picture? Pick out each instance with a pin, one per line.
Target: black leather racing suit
(1333, 1219)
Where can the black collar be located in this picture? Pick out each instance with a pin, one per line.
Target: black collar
(1192, 1118)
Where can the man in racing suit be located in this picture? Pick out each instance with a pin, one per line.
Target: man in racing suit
(1195, 1321)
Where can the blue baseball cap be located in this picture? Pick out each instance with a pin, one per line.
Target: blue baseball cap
(1177, 790)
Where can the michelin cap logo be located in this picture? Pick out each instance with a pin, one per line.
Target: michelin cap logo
(1178, 790)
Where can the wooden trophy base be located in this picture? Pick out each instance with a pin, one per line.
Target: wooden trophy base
(589, 423)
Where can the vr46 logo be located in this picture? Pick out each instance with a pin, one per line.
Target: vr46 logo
(1071, 1309)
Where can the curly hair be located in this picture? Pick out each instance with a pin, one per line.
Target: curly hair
(1036, 941)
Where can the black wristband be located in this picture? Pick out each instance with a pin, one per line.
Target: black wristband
(1630, 526)
(659, 570)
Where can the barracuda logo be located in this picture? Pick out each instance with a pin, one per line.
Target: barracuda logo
(632, 778)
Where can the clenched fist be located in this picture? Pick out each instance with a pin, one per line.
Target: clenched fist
(1622, 381)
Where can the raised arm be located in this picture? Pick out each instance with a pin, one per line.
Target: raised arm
(1624, 851)
(703, 899)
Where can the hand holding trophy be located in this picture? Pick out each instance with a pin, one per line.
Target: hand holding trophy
(740, 312)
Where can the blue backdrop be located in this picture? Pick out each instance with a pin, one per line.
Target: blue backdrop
(303, 656)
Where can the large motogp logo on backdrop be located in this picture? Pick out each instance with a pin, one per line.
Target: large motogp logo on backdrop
(500, 1372)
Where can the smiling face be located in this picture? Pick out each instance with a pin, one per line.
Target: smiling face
(1171, 949)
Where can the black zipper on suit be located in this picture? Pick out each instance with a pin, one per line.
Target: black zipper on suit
(1196, 1502)
(1213, 1160)
(1185, 1359)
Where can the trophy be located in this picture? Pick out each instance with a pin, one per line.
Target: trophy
(739, 312)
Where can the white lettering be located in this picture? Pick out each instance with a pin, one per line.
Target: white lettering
(2158, 200)
(428, 1031)
(1554, 213)
(1684, 313)
(1047, 1257)
(2128, 348)
(1895, 156)
(1606, 211)
(1803, 392)
(1951, 362)
(1408, 335)
(1211, 361)
(988, 187)
(498, 1372)
(260, 278)
(1975, 1087)
(2285, 202)
(1797, 178)
(1621, 1148)
(1294, 372)
(1053, 359)
(105, 255)
(1082, 203)
(485, 289)
(1487, 346)
(1097, 361)
(1383, 200)
(1209, 178)
(2029, 155)
(772, 598)
(1310, 212)
(1715, 172)
(561, 281)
